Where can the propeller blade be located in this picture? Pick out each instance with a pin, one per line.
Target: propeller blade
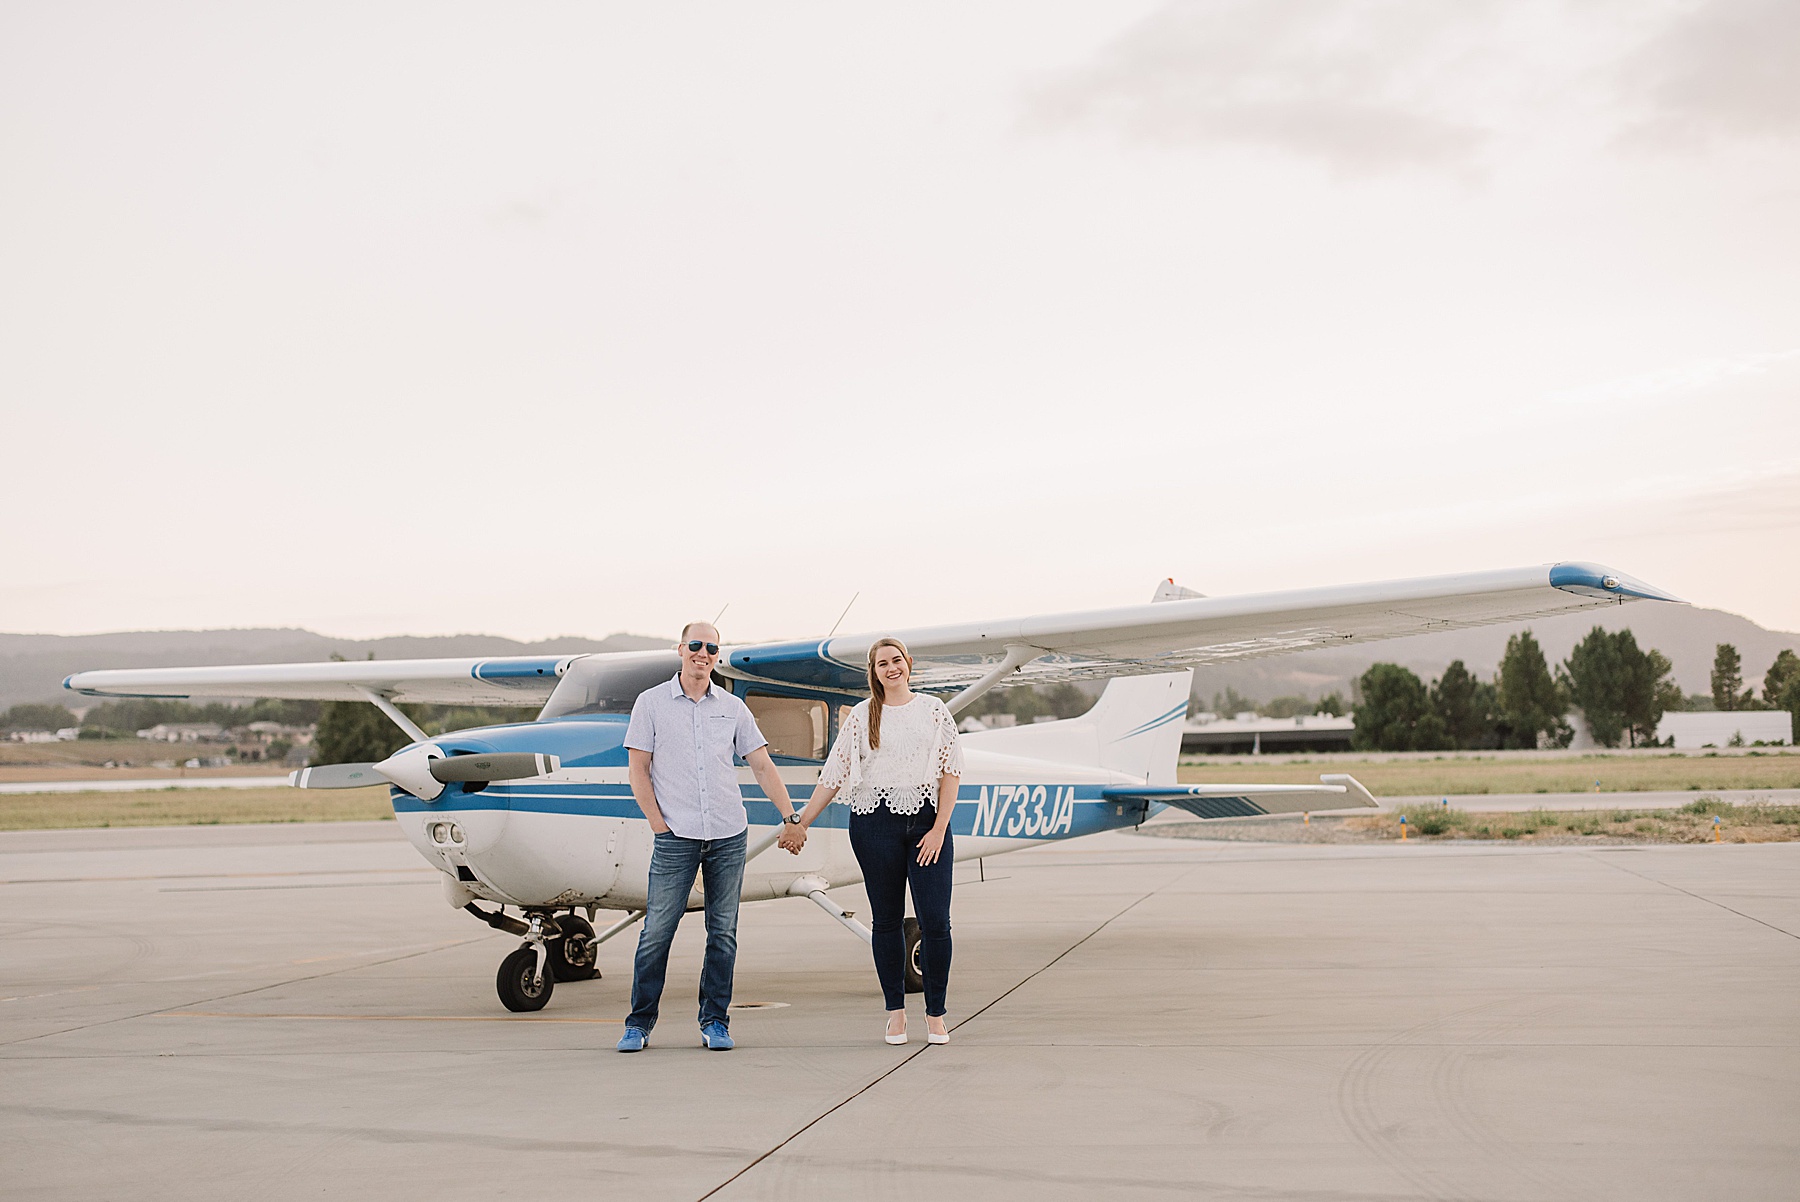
(337, 776)
(505, 765)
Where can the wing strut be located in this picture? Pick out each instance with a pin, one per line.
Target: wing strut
(393, 712)
(1017, 656)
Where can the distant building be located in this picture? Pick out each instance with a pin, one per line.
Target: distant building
(1718, 728)
(971, 724)
(1251, 733)
(183, 732)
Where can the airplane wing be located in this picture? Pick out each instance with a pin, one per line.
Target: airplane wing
(1162, 636)
(1168, 635)
(510, 680)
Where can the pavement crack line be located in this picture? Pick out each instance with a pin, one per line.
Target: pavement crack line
(911, 1056)
(1696, 896)
(123, 1018)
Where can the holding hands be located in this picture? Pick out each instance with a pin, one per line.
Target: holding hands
(793, 838)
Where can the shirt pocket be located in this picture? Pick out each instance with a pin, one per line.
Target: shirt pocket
(718, 735)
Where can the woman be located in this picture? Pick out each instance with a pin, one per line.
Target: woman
(898, 762)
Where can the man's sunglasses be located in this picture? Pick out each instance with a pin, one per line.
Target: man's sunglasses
(696, 644)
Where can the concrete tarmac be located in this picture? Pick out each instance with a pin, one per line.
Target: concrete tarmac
(293, 1012)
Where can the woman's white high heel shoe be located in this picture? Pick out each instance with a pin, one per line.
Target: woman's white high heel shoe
(892, 1038)
(935, 1036)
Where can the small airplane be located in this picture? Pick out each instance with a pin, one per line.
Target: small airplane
(538, 816)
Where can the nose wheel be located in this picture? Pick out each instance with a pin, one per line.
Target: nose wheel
(523, 981)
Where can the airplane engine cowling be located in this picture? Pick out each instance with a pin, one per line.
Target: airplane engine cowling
(410, 768)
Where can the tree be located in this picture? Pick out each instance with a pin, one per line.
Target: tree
(1785, 668)
(1465, 706)
(1231, 702)
(1531, 703)
(1332, 703)
(1620, 688)
(37, 717)
(1665, 695)
(355, 732)
(1595, 680)
(1393, 704)
(1781, 688)
(1728, 678)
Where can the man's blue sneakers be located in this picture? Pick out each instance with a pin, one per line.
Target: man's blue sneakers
(633, 1040)
(713, 1037)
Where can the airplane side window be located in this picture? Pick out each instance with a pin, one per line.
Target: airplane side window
(794, 726)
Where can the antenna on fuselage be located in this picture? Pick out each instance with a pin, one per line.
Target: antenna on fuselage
(845, 614)
(720, 614)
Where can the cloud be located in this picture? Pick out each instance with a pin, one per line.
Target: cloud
(1723, 69)
(1370, 87)
(1364, 85)
(1687, 377)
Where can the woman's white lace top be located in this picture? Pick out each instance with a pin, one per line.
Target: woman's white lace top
(918, 745)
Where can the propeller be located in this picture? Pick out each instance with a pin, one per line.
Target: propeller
(403, 770)
(337, 776)
(502, 765)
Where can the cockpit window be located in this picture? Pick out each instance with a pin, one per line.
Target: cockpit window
(608, 684)
(796, 727)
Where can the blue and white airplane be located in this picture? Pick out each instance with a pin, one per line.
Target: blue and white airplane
(538, 816)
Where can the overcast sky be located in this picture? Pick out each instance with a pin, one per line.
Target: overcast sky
(538, 319)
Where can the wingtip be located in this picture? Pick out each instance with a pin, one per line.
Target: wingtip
(1597, 580)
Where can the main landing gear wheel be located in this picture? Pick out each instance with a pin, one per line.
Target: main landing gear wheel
(518, 983)
(915, 975)
(572, 957)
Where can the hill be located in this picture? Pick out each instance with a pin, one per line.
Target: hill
(32, 666)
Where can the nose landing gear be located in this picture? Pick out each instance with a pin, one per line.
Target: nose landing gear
(557, 948)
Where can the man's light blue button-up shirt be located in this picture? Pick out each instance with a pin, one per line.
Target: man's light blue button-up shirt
(691, 744)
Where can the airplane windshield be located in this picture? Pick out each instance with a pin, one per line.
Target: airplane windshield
(608, 684)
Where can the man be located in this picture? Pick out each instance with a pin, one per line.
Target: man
(681, 740)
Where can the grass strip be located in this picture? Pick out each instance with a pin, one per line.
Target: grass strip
(190, 807)
(1674, 772)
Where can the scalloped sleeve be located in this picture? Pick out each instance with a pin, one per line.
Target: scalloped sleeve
(843, 767)
(948, 757)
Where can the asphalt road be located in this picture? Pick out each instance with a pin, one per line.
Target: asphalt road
(293, 1012)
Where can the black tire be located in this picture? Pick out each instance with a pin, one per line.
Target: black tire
(514, 982)
(572, 957)
(915, 979)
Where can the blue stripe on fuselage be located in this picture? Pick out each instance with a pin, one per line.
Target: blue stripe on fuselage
(1006, 811)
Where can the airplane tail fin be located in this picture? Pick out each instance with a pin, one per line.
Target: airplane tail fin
(1134, 728)
(1138, 720)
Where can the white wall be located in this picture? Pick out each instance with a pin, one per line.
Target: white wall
(1717, 728)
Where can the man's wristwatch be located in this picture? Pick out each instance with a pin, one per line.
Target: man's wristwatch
(793, 819)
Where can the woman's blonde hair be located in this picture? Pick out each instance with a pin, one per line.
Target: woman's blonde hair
(875, 686)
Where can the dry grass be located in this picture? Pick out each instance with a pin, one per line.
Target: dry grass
(1692, 823)
(190, 807)
(1454, 777)
(84, 759)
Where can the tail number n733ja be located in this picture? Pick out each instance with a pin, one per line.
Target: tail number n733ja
(1024, 810)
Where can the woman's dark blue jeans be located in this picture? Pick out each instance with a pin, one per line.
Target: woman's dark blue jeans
(887, 846)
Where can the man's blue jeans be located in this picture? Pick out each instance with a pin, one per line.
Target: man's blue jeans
(673, 866)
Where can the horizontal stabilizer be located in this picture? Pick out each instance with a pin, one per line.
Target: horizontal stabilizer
(1335, 791)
